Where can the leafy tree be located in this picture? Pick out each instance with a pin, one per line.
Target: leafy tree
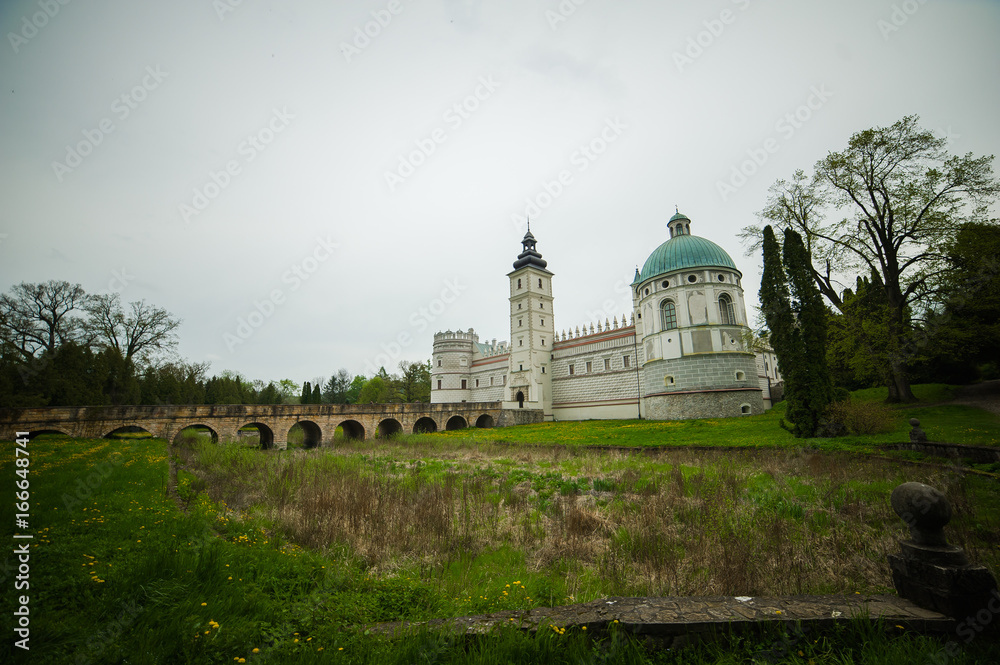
(306, 396)
(336, 389)
(376, 390)
(129, 337)
(415, 381)
(317, 396)
(898, 199)
(269, 395)
(176, 382)
(37, 318)
(859, 338)
(964, 332)
(353, 395)
(289, 390)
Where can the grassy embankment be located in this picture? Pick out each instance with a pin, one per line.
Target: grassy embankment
(286, 552)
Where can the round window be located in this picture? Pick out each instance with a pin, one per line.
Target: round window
(692, 278)
(666, 283)
(722, 278)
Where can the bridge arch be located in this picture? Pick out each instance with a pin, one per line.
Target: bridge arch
(128, 429)
(485, 421)
(388, 427)
(425, 425)
(456, 422)
(312, 435)
(193, 429)
(264, 433)
(49, 430)
(352, 429)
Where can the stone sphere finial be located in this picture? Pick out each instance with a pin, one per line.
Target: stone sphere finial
(925, 510)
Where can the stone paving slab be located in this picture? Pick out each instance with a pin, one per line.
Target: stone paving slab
(676, 616)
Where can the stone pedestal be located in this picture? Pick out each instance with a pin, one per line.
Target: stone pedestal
(917, 435)
(930, 572)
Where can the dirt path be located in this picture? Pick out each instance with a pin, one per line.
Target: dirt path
(985, 395)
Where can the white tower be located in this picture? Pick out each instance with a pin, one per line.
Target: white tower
(532, 332)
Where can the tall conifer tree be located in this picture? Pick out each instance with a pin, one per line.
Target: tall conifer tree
(775, 303)
(815, 390)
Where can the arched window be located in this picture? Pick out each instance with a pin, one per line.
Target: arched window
(727, 314)
(668, 315)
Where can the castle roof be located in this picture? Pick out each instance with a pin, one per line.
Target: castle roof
(683, 251)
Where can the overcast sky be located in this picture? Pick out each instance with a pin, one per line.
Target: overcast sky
(347, 178)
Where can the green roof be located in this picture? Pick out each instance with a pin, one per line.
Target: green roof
(685, 251)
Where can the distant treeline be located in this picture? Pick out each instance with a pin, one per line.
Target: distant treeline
(60, 346)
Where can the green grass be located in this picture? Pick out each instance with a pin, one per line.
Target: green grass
(123, 572)
(120, 574)
(949, 423)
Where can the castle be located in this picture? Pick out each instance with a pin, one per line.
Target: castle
(683, 353)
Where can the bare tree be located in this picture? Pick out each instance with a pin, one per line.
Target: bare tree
(142, 331)
(36, 318)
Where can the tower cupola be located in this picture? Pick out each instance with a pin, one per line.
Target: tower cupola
(529, 256)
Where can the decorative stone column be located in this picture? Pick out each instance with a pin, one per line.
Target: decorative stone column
(917, 435)
(930, 572)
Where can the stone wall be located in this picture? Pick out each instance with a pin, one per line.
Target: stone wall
(714, 404)
(710, 371)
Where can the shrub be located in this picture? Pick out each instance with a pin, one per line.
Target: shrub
(860, 417)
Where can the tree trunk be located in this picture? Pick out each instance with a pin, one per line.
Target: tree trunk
(899, 383)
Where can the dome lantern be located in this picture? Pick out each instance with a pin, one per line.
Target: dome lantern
(679, 224)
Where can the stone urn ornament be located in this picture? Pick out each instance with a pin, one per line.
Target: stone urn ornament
(930, 572)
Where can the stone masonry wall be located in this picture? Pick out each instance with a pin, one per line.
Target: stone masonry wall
(718, 404)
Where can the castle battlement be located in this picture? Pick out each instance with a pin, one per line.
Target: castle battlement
(457, 336)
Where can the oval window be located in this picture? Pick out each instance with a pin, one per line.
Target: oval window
(666, 283)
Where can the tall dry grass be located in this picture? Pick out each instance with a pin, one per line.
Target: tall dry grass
(680, 523)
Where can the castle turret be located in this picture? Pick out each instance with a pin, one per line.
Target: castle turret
(532, 331)
(451, 366)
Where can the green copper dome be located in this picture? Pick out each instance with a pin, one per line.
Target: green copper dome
(684, 251)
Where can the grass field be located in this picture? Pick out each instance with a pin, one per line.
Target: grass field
(256, 556)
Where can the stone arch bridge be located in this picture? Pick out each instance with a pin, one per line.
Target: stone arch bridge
(318, 421)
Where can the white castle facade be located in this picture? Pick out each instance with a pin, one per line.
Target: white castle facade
(683, 353)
